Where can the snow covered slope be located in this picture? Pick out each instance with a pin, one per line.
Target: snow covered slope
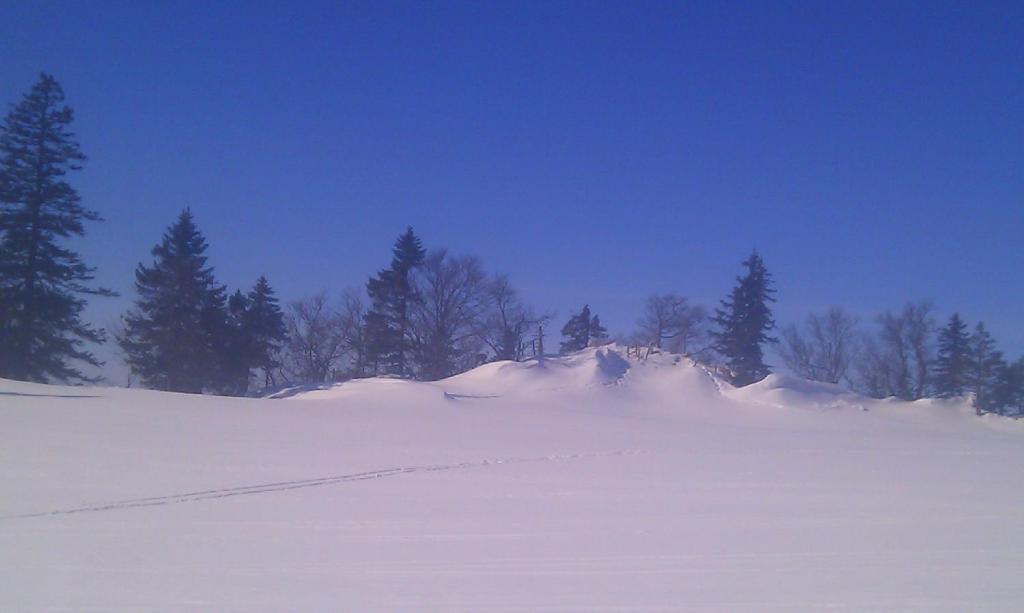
(592, 483)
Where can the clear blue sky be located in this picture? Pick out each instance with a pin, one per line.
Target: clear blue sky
(872, 152)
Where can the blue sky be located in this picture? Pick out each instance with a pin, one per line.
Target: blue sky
(596, 152)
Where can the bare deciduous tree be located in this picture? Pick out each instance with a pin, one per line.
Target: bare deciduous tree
(351, 326)
(671, 322)
(823, 348)
(446, 320)
(509, 326)
(315, 340)
(897, 362)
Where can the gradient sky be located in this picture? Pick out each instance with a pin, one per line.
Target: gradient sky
(597, 152)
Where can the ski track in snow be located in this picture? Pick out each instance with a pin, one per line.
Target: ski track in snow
(281, 486)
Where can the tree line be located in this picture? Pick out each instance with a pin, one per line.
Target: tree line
(907, 355)
(428, 315)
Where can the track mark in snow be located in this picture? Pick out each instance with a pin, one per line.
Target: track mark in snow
(281, 486)
(451, 396)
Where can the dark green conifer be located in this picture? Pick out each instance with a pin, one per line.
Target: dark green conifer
(581, 330)
(264, 323)
(744, 321)
(42, 281)
(174, 337)
(391, 295)
(1008, 393)
(984, 364)
(952, 363)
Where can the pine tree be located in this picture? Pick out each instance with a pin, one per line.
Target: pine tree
(233, 348)
(577, 331)
(264, 324)
(984, 366)
(174, 337)
(408, 254)
(392, 294)
(42, 281)
(952, 363)
(598, 333)
(253, 331)
(581, 330)
(380, 339)
(744, 320)
(1008, 393)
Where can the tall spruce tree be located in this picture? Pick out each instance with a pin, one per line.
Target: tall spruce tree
(42, 281)
(985, 364)
(744, 321)
(174, 337)
(233, 349)
(392, 293)
(253, 332)
(264, 325)
(953, 362)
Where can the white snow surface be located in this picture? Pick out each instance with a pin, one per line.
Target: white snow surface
(596, 482)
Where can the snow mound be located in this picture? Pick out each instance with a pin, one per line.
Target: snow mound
(786, 391)
(591, 368)
(613, 379)
(610, 369)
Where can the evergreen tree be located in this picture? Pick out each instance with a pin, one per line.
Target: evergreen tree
(598, 333)
(248, 339)
(582, 329)
(174, 337)
(264, 324)
(952, 363)
(1008, 393)
(392, 293)
(984, 366)
(42, 281)
(379, 339)
(576, 331)
(233, 348)
(744, 320)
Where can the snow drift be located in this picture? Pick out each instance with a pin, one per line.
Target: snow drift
(591, 482)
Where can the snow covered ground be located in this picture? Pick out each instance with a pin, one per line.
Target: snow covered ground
(596, 483)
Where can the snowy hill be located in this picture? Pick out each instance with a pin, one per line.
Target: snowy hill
(594, 482)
